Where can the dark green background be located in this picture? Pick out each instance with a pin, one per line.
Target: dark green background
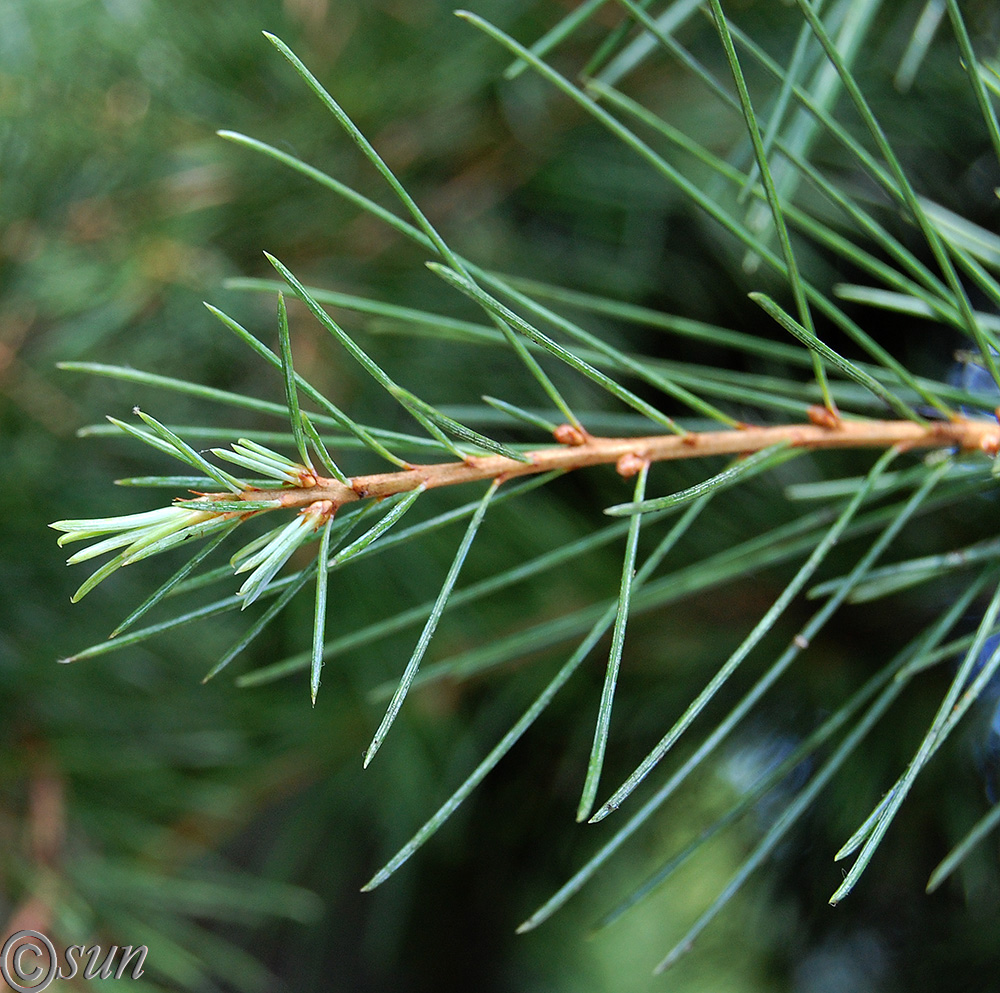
(125, 784)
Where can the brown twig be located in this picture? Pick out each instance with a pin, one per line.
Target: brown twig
(579, 451)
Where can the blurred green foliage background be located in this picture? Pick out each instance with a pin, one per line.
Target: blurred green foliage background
(230, 830)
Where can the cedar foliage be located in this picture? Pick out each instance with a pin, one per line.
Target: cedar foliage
(808, 626)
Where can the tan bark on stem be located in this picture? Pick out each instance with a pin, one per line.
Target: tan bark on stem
(969, 435)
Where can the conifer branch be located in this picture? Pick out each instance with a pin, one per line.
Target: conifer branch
(578, 451)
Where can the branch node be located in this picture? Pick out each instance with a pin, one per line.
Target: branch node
(568, 434)
(321, 510)
(824, 417)
(990, 444)
(630, 464)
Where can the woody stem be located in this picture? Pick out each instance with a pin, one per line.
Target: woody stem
(969, 435)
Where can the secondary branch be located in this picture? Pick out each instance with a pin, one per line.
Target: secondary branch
(578, 450)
